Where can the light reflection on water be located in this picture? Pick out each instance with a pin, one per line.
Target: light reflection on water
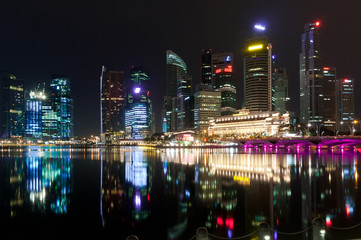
(229, 191)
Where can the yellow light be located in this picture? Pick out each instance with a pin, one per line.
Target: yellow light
(255, 47)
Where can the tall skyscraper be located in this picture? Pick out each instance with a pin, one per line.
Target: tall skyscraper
(12, 106)
(61, 103)
(138, 111)
(179, 87)
(33, 114)
(223, 81)
(346, 104)
(281, 97)
(112, 92)
(206, 67)
(311, 76)
(329, 103)
(258, 74)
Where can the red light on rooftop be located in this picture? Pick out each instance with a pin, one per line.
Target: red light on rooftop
(326, 68)
(317, 24)
(219, 70)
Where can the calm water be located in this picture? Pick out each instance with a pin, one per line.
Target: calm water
(53, 192)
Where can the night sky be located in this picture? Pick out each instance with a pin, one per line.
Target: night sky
(76, 38)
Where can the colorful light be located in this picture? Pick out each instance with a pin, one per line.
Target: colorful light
(328, 221)
(255, 47)
(317, 24)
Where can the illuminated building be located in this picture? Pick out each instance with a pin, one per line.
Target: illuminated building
(245, 123)
(12, 106)
(311, 75)
(346, 104)
(206, 67)
(179, 86)
(329, 104)
(183, 106)
(207, 106)
(258, 74)
(138, 112)
(112, 92)
(33, 114)
(62, 105)
(223, 81)
(280, 87)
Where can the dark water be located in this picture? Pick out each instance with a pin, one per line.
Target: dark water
(53, 192)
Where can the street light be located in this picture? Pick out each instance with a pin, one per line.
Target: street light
(351, 132)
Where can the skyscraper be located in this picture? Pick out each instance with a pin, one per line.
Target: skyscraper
(179, 87)
(61, 103)
(12, 106)
(280, 90)
(311, 76)
(258, 74)
(346, 104)
(223, 80)
(112, 92)
(206, 67)
(33, 114)
(138, 111)
(329, 103)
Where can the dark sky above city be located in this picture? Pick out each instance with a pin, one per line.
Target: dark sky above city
(77, 37)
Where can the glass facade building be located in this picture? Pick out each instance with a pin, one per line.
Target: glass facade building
(311, 76)
(112, 92)
(138, 110)
(11, 106)
(61, 104)
(346, 104)
(33, 114)
(281, 99)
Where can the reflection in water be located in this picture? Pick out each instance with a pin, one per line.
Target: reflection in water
(169, 193)
(37, 182)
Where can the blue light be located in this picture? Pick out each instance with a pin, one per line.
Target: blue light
(273, 57)
(228, 58)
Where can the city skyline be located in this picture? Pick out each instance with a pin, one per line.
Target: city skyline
(40, 43)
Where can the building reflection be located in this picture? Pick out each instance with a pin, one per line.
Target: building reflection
(37, 183)
(126, 184)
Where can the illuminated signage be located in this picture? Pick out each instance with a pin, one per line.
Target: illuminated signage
(255, 47)
(219, 70)
(228, 58)
(243, 180)
(260, 27)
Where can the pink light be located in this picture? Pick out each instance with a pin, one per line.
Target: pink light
(219, 221)
(348, 210)
(230, 223)
(328, 221)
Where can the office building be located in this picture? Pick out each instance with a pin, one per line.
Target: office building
(112, 92)
(224, 83)
(138, 111)
(206, 67)
(12, 106)
(281, 99)
(311, 75)
(329, 103)
(258, 74)
(345, 104)
(33, 114)
(207, 106)
(179, 87)
(61, 104)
